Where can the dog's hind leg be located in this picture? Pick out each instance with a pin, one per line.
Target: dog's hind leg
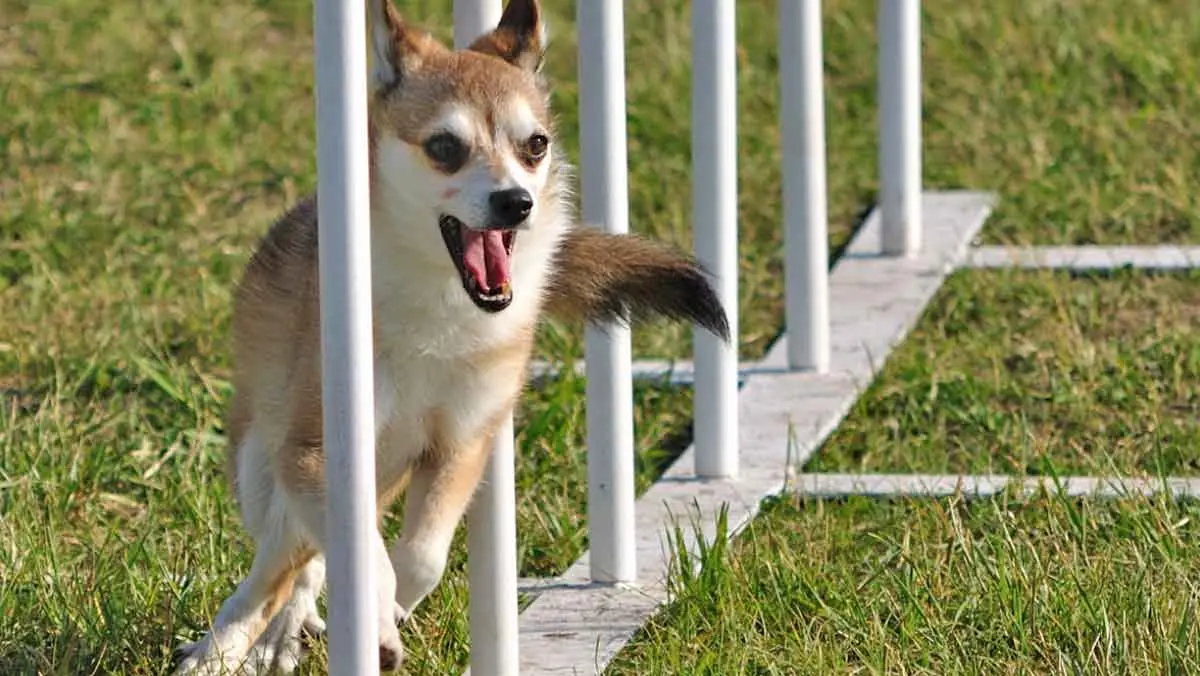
(281, 646)
(310, 510)
(244, 615)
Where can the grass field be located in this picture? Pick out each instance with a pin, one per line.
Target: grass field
(1047, 586)
(146, 146)
(1017, 372)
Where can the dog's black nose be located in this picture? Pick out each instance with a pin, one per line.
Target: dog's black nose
(510, 207)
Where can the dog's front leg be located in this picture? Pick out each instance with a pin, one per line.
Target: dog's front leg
(440, 488)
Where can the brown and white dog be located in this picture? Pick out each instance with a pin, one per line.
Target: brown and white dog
(472, 243)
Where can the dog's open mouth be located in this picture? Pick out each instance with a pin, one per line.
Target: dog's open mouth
(484, 262)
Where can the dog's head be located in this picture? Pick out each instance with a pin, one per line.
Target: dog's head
(463, 145)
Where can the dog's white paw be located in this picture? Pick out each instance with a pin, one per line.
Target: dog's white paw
(391, 652)
(282, 647)
(193, 659)
(281, 656)
(276, 651)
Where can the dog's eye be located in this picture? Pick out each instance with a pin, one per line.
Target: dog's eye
(448, 151)
(535, 147)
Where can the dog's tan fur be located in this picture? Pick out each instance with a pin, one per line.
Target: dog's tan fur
(447, 372)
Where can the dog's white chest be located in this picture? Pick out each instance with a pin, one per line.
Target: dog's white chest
(462, 395)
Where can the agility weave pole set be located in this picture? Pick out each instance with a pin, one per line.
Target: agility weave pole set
(741, 435)
(345, 288)
(754, 423)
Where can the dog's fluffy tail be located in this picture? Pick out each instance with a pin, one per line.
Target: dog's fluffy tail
(600, 277)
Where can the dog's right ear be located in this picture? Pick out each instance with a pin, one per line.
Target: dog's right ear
(397, 48)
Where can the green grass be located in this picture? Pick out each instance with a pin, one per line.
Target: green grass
(146, 146)
(1016, 372)
(1045, 586)
(1009, 372)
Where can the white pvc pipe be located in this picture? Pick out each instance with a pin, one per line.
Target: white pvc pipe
(604, 196)
(805, 214)
(346, 339)
(492, 519)
(900, 125)
(715, 212)
(492, 564)
(473, 18)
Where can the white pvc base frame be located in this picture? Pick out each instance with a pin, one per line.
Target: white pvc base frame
(576, 627)
(1086, 258)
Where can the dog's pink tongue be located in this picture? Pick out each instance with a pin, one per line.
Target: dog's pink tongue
(485, 258)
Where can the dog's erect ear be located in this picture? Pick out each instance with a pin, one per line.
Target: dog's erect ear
(519, 38)
(396, 47)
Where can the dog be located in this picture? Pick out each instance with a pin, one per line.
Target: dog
(473, 243)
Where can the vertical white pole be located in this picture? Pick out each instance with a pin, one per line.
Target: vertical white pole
(603, 174)
(492, 564)
(346, 347)
(805, 216)
(473, 18)
(492, 520)
(715, 212)
(900, 125)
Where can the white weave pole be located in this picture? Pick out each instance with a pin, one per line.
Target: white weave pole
(805, 211)
(492, 564)
(492, 520)
(715, 213)
(346, 347)
(900, 125)
(608, 352)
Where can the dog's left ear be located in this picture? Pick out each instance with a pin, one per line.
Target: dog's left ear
(519, 38)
